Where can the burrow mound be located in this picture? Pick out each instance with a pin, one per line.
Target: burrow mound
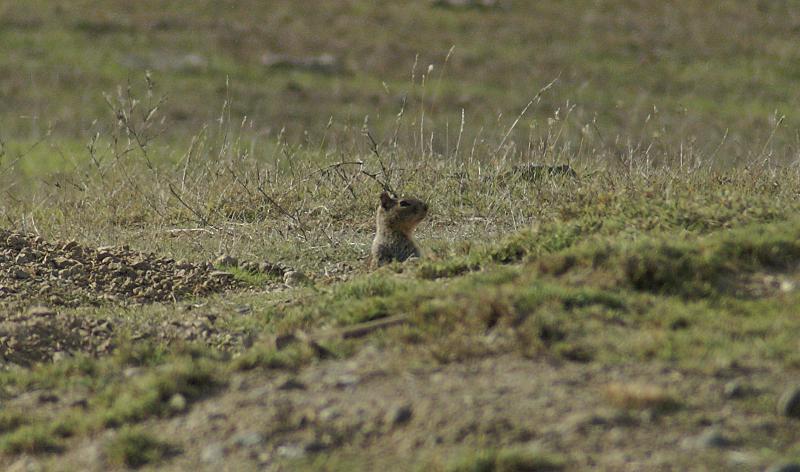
(33, 271)
(40, 335)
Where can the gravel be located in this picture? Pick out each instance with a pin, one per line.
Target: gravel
(41, 334)
(69, 274)
(40, 281)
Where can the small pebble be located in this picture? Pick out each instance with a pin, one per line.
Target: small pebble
(733, 389)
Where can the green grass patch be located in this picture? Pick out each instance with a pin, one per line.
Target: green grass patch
(135, 447)
(267, 357)
(150, 394)
(31, 439)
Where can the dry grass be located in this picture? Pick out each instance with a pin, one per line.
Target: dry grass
(637, 258)
(641, 396)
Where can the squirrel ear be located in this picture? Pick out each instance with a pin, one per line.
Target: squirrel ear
(387, 201)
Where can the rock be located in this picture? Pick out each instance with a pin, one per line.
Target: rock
(248, 439)
(789, 402)
(733, 389)
(294, 278)
(400, 415)
(226, 261)
(20, 274)
(292, 384)
(290, 451)
(214, 453)
(177, 403)
(785, 467)
(710, 438)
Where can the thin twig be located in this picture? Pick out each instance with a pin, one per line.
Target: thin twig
(374, 149)
(535, 99)
(203, 221)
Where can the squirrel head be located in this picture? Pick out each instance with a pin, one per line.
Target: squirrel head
(401, 214)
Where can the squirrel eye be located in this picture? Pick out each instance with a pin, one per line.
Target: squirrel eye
(404, 203)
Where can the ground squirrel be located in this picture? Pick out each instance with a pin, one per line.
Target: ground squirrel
(396, 220)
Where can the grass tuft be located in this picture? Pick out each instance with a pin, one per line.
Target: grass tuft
(32, 439)
(134, 447)
(264, 357)
(150, 394)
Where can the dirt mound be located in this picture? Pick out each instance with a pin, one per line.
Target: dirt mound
(42, 334)
(33, 271)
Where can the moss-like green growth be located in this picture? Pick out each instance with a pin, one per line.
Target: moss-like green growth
(150, 394)
(134, 447)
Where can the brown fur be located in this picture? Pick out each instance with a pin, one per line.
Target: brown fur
(396, 220)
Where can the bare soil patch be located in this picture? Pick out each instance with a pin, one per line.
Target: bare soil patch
(395, 416)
